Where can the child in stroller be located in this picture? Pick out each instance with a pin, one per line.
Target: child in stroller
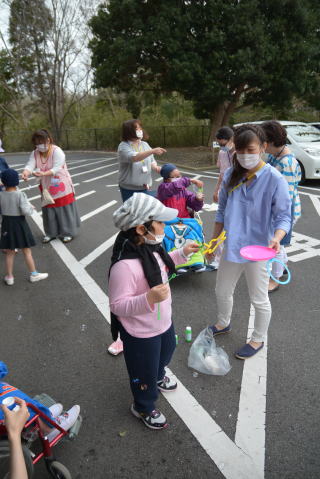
(173, 193)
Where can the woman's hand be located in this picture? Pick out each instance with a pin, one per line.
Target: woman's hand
(216, 197)
(38, 173)
(15, 420)
(25, 175)
(275, 244)
(158, 293)
(191, 247)
(159, 151)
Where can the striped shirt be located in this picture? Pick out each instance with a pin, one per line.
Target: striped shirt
(290, 169)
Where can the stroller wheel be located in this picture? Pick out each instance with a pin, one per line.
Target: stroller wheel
(58, 470)
(5, 460)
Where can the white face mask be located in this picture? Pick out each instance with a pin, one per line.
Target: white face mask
(157, 238)
(175, 179)
(139, 134)
(248, 160)
(42, 147)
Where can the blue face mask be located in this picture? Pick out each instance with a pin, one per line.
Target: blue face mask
(225, 148)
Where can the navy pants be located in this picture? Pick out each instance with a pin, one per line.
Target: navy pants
(146, 359)
(126, 194)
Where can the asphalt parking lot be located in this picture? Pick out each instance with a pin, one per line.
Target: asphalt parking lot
(261, 420)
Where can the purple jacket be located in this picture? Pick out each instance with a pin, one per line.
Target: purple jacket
(175, 195)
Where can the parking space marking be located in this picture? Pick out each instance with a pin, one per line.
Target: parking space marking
(233, 462)
(98, 210)
(91, 288)
(79, 166)
(250, 429)
(94, 169)
(309, 247)
(101, 176)
(316, 203)
(98, 251)
(88, 193)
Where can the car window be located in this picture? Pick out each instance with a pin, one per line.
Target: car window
(303, 133)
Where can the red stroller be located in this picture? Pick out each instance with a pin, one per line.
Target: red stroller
(41, 447)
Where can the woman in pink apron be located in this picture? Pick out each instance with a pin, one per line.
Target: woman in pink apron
(59, 210)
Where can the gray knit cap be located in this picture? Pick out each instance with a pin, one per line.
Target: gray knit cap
(139, 209)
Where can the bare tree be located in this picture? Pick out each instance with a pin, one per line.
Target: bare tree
(48, 48)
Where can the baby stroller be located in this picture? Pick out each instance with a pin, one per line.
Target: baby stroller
(41, 447)
(180, 231)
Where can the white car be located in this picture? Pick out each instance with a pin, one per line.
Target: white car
(304, 142)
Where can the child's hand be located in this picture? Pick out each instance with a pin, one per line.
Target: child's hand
(198, 183)
(15, 420)
(189, 248)
(158, 293)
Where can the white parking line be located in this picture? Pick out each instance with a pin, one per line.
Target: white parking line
(85, 194)
(98, 210)
(101, 176)
(229, 458)
(316, 203)
(95, 293)
(94, 169)
(98, 251)
(309, 188)
(73, 168)
(250, 431)
(83, 166)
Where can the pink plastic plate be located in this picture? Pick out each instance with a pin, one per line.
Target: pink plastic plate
(257, 253)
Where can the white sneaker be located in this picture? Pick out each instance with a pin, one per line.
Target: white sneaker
(56, 409)
(66, 421)
(9, 280)
(38, 277)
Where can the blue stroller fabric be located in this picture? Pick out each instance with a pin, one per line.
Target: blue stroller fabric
(177, 232)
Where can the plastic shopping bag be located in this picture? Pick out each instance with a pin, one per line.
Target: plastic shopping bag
(206, 357)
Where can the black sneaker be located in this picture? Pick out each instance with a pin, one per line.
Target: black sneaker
(167, 384)
(153, 420)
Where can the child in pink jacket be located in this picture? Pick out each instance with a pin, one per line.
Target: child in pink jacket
(140, 300)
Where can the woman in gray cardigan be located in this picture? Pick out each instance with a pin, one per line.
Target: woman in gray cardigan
(136, 160)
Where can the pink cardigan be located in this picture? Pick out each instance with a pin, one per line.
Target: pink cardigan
(128, 289)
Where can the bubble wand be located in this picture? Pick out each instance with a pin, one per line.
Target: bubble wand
(169, 279)
(207, 248)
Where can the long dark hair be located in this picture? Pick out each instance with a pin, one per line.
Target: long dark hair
(243, 136)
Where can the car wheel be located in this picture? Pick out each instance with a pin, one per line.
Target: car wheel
(303, 173)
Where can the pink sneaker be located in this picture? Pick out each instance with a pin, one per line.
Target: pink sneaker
(116, 347)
